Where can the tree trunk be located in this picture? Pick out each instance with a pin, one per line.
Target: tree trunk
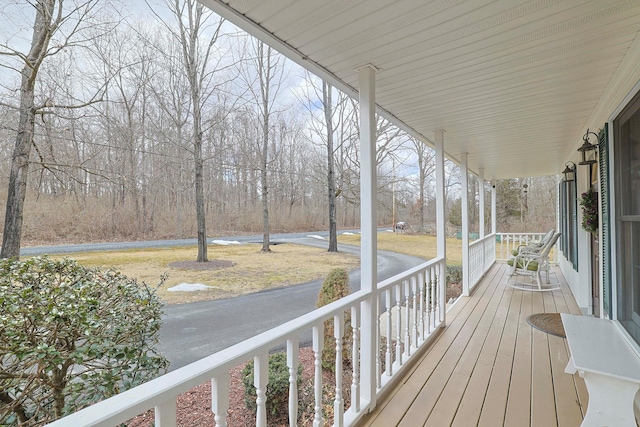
(199, 167)
(19, 171)
(265, 79)
(263, 178)
(331, 179)
(17, 191)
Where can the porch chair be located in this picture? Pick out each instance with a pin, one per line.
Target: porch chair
(532, 264)
(535, 246)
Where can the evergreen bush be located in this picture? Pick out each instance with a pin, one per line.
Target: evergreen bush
(277, 388)
(71, 336)
(454, 274)
(335, 286)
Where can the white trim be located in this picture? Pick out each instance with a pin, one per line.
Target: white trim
(612, 224)
(481, 218)
(625, 101)
(464, 178)
(441, 233)
(368, 227)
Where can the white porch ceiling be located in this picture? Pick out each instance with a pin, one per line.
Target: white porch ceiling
(514, 83)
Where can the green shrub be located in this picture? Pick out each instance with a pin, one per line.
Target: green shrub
(335, 286)
(454, 274)
(71, 336)
(277, 388)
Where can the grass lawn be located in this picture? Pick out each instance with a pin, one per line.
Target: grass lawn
(422, 246)
(252, 270)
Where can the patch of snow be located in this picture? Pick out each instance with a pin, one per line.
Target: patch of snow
(315, 236)
(189, 287)
(390, 231)
(225, 242)
(348, 233)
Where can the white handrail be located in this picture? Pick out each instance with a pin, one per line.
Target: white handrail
(508, 242)
(414, 298)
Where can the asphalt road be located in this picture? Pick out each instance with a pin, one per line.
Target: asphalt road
(196, 330)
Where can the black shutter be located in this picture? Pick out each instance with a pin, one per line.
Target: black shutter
(563, 217)
(603, 164)
(573, 227)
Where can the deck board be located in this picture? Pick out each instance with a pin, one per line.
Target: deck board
(488, 367)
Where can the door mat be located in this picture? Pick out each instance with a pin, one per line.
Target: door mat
(550, 323)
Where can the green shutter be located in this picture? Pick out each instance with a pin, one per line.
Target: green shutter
(603, 164)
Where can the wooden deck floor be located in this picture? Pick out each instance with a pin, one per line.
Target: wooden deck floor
(490, 368)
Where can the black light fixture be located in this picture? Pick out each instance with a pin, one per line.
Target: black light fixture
(588, 150)
(569, 172)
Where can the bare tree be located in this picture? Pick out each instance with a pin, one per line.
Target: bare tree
(264, 81)
(50, 17)
(193, 22)
(426, 168)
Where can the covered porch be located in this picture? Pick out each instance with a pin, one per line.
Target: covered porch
(489, 367)
(510, 89)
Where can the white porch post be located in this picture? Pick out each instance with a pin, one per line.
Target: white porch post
(441, 224)
(368, 228)
(465, 223)
(493, 208)
(481, 203)
(481, 214)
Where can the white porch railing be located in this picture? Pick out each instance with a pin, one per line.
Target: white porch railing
(411, 305)
(508, 242)
(482, 255)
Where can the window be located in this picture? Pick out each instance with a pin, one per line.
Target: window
(626, 173)
(569, 222)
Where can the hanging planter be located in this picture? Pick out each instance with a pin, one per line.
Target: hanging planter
(589, 203)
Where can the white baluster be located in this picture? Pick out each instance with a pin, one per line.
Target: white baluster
(260, 381)
(388, 359)
(378, 342)
(318, 341)
(166, 414)
(414, 311)
(220, 398)
(422, 311)
(407, 326)
(434, 299)
(293, 362)
(428, 300)
(338, 403)
(398, 289)
(355, 362)
(438, 287)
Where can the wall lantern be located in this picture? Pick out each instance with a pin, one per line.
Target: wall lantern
(588, 150)
(569, 172)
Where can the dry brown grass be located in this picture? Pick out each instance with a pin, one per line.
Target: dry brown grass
(422, 246)
(253, 271)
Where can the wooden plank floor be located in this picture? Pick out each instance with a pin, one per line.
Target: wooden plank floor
(490, 368)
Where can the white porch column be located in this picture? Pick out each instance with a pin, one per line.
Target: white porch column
(368, 228)
(481, 214)
(464, 177)
(493, 208)
(481, 203)
(441, 223)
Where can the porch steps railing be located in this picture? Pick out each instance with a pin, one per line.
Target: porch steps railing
(411, 304)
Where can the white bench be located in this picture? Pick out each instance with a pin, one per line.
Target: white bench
(609, 366)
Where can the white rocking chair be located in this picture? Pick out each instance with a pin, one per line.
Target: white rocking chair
(532, 264)
(535, 246)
